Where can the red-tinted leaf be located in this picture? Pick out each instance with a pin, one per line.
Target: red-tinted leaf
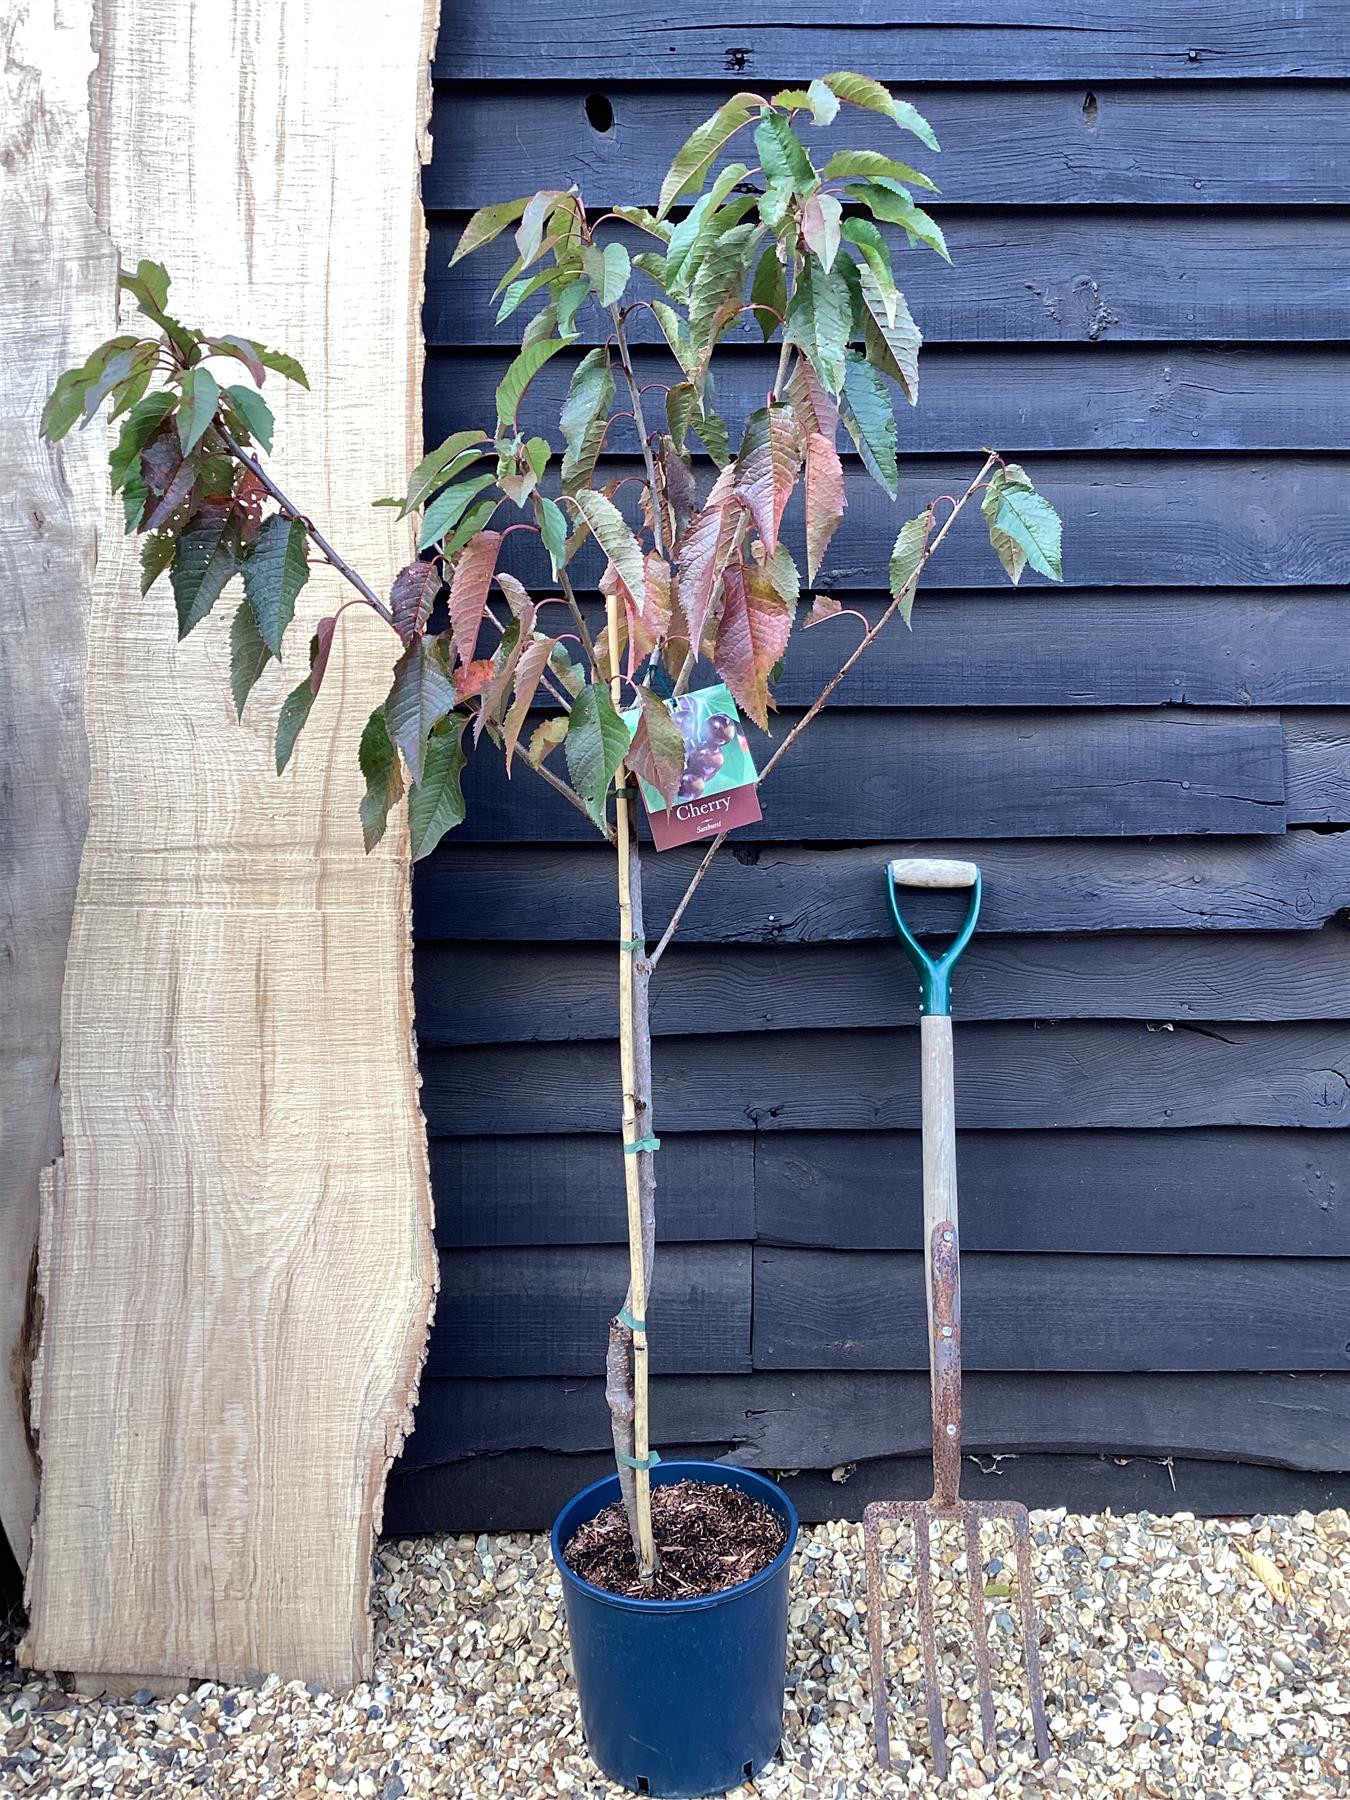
(518, 635)
(168, 475)
(679, 485)
(751, 636)
(821, 216)
(419, 698)
(656, 601)
(703, 553)
(529, 671)
(469, 590)
(547, 738)
(813, 403)
(472, 678)
(517, 597)
(825, 499)
(823, 607)
(412, 597)
(766, 469)
(249, 498)
(319, 649)
(656, 754)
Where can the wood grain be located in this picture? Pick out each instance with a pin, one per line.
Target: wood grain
(57, 301)
(788, 893)
(238, 1267)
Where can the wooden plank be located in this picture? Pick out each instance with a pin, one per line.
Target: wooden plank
(546, 1311)
(523, 1491)
(1201, 1192)
(238, 1266)
(787, 893)
(58, 300)
(864, 1309)
(1028, 145)
(818, 1421)
(1040, 276)
(1213, 522)
(1098, 397)
(1009, 1077)
(569, 1190)
(541, 994)
(878, 774)
(1317, 766)
(942, 40)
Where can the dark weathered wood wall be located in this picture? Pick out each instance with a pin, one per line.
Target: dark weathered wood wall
(1149, 305)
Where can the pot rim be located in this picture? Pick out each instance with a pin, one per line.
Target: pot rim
(688, 1469)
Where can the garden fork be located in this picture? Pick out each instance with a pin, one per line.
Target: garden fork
(942, 1273)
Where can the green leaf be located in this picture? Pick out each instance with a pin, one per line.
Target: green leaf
(1033, 524)
(487, 223)
(823, 101)
(700, 150)
(448, 508)
(470, 525)
(907, 559)
(384, 778)
(865, 408)
(63, 405)
(892, 345)
(141, 424)
(821, 216)
(157, 552)
(518, 291)
(607, 271)
(207, 558)
(643, 220)
(597, 739)
(149, 285)
(197, 408)
(276, 569)
(530, 232)
(820, 317)
(569, 299)
(718, 287)
(440, 465)
(291, 721)
(511, 389)
(285, 366)
(584, 415)
(436, 804)
(923, 228)
(611, 532)
(249, 655)
(782, 154)
(243, 350)
(871, 165)
(553, 531)
(861, 90)
(256, 414)
(873, 250)
(769, 291)
(420, 696)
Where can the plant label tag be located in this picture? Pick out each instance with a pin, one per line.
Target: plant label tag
(717, 788)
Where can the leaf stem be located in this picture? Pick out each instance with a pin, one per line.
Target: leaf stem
(626, 363)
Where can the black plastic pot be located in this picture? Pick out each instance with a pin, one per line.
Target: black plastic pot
(680, 1697)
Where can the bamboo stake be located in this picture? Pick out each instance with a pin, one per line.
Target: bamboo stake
(637, 1274)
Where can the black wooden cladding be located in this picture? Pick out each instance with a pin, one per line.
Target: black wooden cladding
(1149, 306)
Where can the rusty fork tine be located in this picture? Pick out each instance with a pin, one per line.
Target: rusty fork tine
(923, 1550)
(975, 1584)
(876, 1639)
(1031, 1643)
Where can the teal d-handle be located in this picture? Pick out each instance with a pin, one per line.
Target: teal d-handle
(935, 972)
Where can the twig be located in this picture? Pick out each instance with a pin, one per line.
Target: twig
(626, 363)
(815, 707)
(292, 511)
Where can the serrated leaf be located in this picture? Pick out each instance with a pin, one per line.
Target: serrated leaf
(474, 521)
(206, 559)
(157, 552)
(243, 350)
(783, 572)
(584, 415)
(824, 607)
(291, 721)
(766, 468)
(923, 228)
(861, 90)
(892, 343)
(149, 283)
(656, 754)
(249, 655)
(716, 297)
(597, 739)
(196, 409)
(815, 407)
(534, 217)
(487, 223)
(412, 597)
(820, 317)
(256, 414)
(700, 227)
(608, 271)
(320, 648)
(866, 410)
(610, 531)
(448, 508)
(469, 591)
(275, 570)
(768, 292)
(285, 366)
(825, 500)
(439, 465)
(644, 221)
(569, 299)
(907, 558)
(436, 804)
(530, 667)
(873, 250)
(1033, 524)
(420, 696)
(511, 389)
(703, 554)
(119, 373)
(782, 154)
(871, 165)
(752, 635)
(821, 217)
(700, 150)
(823, 101)
(379, 764)
(140, 425)
(545, 739)
(553, 531)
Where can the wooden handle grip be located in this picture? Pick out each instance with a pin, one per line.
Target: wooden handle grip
(932, 872)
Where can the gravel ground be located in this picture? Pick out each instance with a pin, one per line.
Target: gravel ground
(1186, 1658)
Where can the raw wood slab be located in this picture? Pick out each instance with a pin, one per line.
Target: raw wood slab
(238, 1267)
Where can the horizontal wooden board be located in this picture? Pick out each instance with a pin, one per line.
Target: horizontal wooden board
(1199, 1192)
(547, 1311)
(1033, 275)
(775, 1421)
(1203, 1192)
(864, 1309)
(882, 774)
(541, 994)
(525, 1490)
(785, 893)
(569, 1190)
(1114, 144)
(1130, 522)
(1024, 398)
(1317, 764)
(1008, 1077)
(942, 40)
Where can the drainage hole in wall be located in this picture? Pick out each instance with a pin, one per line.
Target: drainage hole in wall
(599, 112)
